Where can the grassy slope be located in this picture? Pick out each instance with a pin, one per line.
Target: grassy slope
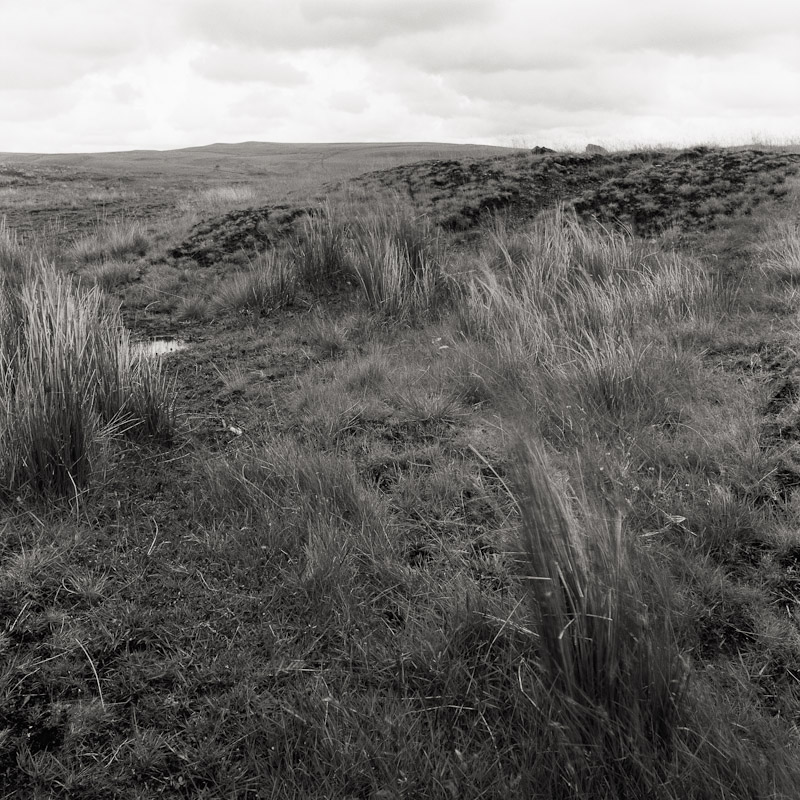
(315, 593)
(68, 195)
(646, 191)
(246, 160)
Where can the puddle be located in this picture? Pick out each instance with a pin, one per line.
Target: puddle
(159, 347)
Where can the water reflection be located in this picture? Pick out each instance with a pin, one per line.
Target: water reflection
(160, 346)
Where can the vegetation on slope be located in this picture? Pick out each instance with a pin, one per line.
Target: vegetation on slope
(647, 191)
(511, 517)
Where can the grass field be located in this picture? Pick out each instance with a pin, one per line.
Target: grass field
(475, 478)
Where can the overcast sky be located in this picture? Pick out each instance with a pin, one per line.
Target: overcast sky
(90, 75)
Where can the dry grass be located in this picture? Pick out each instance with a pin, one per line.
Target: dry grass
(610, 662)
(269, 283)
(219, 199)
(68, 383)
(399, 262)
(571, 286)
(117, 240)
(13, 256)
(112, 275)
(781, 254)
(321, 254)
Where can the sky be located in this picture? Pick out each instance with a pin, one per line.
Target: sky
(100, 75)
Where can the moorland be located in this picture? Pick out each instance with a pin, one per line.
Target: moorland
(469, 473)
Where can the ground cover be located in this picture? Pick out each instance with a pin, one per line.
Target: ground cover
(504, 515)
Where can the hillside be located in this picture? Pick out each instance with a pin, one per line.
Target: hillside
(68, 193)
(648, 192)
(247, 159)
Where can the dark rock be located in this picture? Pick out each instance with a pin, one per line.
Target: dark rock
(540, 151)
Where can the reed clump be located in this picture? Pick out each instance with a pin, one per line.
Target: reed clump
(268, 283)
(69, 383)
(399, 262)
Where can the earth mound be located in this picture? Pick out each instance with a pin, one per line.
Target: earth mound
(250, 230)
(647, 191)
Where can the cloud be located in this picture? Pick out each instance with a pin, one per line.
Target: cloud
(44, 72)
(238, 65)
(166, 73)
(326, 24)
(50, 44)
(20, 106)
(734, 86)
(386, 18)
(125, 93)
(612, 88)
(696, 27)
(351, 102)
(522, 35)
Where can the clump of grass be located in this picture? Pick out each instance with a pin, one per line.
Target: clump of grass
(284, 491)
(576, 283)
(192, 308)
(111, 275)
(623, 381)
(268, 284)
(611, 666)
(398, 260)
(581, 314)
(781, 255)
(132, 388)
(428, 408)
(222, 198)
(117, 240)
(14, 266)
(328, 336)
(14, 257)
(321, 253)
(366, 375)
(68, 382)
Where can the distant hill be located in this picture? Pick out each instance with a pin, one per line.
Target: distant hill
(254, 158)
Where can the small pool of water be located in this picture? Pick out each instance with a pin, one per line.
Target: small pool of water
(160, 346)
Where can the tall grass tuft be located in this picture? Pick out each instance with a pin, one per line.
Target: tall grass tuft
(111, 241)
(582, 310)
(14, 257)
(781, 256)
(610, 667)
(398, 260)
(321, 253)
(132, 390)
(266, 285)
(284, 492)
(111, 275)
(68, 381)
(15, 264)
(574, 284)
